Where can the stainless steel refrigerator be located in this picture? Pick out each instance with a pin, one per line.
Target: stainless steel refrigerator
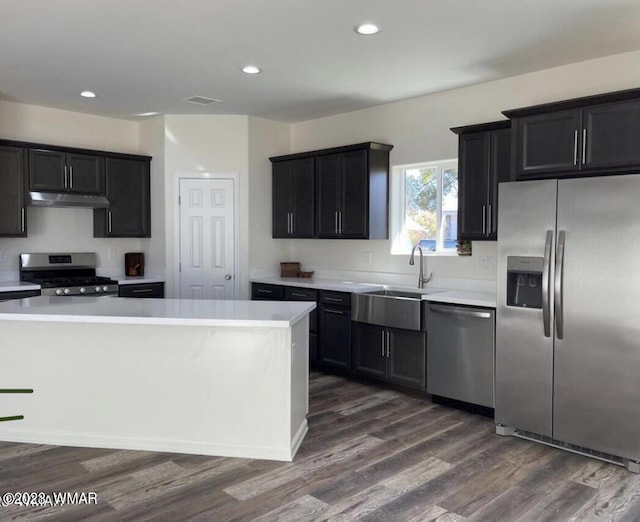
(568, 315)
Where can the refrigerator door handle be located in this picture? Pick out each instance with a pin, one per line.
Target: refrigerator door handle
(558, 297)
(546, 284)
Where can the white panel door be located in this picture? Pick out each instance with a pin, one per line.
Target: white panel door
(207, 238)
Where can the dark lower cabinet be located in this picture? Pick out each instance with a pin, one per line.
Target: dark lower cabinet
(18, 294)
(141, 290)
(12, 202)
(127, 187)
(389, 354)
(334, 346)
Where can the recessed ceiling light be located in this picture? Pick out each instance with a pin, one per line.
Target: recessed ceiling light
(366, 29)
(88, 94)
(147, 114)
(251, 69)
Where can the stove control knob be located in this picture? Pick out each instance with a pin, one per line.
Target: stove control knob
(59, 291)
(83, 290)
(105, 288)
(98, 289)
(67, 291)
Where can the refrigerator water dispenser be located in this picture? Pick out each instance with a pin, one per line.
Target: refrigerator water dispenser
(524, 281)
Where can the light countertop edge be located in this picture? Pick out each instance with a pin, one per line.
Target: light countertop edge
(162, 312)
(319, 284)
(127, 280)
(462, 297)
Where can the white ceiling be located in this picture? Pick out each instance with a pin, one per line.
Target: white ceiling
(149, 55)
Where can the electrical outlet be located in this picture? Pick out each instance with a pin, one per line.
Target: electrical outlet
(367, 258)
(3, 256)
(111, 253)
(486, 263)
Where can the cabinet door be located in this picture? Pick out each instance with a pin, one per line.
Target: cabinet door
(293, 293)
(127, 189)
(12, 206)
(611, 134)
(327, 187)
(86, 173)
(354, 190)
(19, 294)
(335, 337)
(281, 197)
(547, 143)
(368, 349)
(47, 170)
(302, 201)
(473, 185)
(499, 172)
(407, 357)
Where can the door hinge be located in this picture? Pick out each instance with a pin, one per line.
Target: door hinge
(179, 200)
(179, 267)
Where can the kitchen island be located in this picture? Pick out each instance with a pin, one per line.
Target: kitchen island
(225, 378)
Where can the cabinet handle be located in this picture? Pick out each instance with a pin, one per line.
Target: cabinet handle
(584, 146)
(484, 219)
(293, 227)
(383, 341)
(340, 222)
(294, 294)
(66, 182)
(337, 312)
(71, 176)
(575, 147)
(489, 220)
(388, 344)
(333, 299)
(22, 218)
(336, 221)
(109, 221)
(262, 291)
(142, 291)
(459, 312)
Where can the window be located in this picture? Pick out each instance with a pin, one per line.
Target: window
(428, 209)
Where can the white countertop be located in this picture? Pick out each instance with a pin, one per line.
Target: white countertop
(177, 312)
(319, 284)
(126, 280)
(442, 295)
(17, 286)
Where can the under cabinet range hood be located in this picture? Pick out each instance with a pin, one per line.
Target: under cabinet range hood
(64, 199)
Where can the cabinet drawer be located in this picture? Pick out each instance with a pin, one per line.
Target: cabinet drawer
(142, 290)
(335, 298)
(18, 294)
(292, 293)
(267, 292)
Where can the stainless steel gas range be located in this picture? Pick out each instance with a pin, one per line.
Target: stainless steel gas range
(66, 274)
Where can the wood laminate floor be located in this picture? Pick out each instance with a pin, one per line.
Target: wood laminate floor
(371, 454)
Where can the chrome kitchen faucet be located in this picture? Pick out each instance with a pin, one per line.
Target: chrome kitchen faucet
(421, 280)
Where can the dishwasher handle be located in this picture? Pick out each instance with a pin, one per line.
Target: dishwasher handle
(445, 310)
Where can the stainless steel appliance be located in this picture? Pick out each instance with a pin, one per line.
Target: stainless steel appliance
(568, 320)
(460, 353)
(66, 274)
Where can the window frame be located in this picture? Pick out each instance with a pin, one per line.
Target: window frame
(399, 244)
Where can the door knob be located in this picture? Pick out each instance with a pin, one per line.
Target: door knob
(227, 277)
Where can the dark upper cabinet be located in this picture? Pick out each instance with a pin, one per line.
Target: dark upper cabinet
(483, 161)
(12, 201)
(586, 136)
(293, 200)
(127, 189)
(350, 196)
(57, 170)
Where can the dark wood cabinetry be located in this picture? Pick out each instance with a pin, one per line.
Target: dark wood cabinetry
(334, 347)
(586, 136)
(12, 199)
(142, 290)
(53, 170)
(483, 162)
(350, 194)
(293, 201)
(390, 354)
(127, 187)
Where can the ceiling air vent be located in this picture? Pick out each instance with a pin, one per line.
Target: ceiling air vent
(201, 100)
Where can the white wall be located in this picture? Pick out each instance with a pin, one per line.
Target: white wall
(266, 138)
(213, 144)
(419, 130)
(59, 229)
(152, 144)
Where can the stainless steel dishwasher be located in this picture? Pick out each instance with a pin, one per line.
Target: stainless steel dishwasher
(460, 352)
